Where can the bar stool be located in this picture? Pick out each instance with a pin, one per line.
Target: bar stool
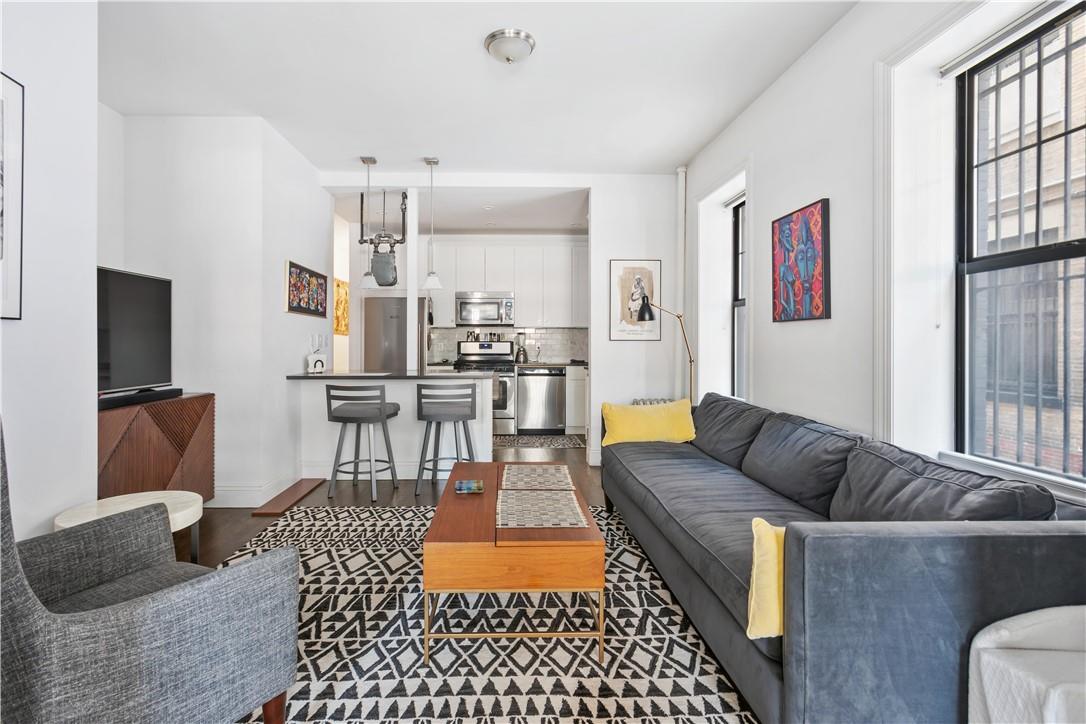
(436, 405)
(361, 405)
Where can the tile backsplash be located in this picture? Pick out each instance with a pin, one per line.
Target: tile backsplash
(556, 344)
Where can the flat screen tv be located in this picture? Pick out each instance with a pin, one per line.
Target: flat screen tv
(133, 331)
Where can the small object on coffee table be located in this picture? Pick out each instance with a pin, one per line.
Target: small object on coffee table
(469, 486)
(536, 477)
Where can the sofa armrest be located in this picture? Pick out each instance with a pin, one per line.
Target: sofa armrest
(210, 649)
(86, 555)
(879, 616)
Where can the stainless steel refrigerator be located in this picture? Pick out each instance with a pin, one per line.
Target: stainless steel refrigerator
(384, 334)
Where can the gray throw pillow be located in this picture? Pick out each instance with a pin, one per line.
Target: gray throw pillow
(884, 482)
(726, 426)
(801, 459)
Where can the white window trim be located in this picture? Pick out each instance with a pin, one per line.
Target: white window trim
(1063, 488)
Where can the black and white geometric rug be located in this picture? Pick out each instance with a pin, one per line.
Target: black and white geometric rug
(544, 441)
(360, 647)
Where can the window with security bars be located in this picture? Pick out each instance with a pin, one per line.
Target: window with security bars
(1022, 251)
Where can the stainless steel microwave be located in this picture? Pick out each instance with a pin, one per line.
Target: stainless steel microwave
(484, 309)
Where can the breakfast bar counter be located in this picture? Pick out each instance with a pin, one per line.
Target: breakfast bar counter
(319, 436)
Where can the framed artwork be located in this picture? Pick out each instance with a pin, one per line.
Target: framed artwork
(307, 291)
(12, 120)
(634, 284)
(801, 264)
(341, 322)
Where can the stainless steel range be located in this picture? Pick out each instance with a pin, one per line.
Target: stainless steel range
(496, 357)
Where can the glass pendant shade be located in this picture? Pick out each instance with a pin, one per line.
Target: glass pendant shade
(431, 282)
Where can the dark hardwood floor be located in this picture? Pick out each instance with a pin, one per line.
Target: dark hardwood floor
(224, 530)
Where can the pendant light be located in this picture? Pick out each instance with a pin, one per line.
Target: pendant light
(368, 280)
(432, 282)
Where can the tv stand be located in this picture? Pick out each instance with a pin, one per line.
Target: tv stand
(161, 445)
(138, 398)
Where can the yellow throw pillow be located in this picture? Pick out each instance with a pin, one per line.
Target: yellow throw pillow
(765, 605)
(670, 422)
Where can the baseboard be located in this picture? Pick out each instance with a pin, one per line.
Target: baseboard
(594, 456)
(245, 494)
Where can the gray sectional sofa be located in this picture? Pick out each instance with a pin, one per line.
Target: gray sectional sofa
(893, 561)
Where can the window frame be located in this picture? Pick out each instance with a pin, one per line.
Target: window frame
(967, 260)
(739, 299)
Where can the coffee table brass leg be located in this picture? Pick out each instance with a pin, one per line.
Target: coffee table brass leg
(425, 628)
(601, 624)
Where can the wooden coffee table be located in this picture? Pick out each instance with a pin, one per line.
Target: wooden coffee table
(465, 552)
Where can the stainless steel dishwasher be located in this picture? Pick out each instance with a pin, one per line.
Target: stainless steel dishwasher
(541, 400)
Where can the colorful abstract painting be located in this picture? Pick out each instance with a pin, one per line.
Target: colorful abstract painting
(307, 291)
(801, 264)
(341, 321)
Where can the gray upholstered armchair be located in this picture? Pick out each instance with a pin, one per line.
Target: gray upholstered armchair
(100, 623)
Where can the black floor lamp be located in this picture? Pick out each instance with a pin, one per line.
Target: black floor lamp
(686, 341)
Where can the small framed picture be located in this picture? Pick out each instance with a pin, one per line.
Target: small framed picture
(635, 288)
(307, 291)
(801, 264)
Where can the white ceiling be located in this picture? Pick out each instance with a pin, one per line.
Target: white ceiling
(611, 87)
(465, 210)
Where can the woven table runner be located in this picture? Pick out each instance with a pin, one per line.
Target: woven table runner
(536, 477)
(539, 509)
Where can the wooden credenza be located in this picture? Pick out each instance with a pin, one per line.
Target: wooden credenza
(164, 445)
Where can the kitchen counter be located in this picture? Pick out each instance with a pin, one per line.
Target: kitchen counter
(390, 376)
(551, 364)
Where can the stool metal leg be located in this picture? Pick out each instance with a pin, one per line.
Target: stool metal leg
(456, 437)
(335, 463)
(437, 452)
(373, 465)
(467, 439)
(422, 457)
(357, 451)
(388, 450)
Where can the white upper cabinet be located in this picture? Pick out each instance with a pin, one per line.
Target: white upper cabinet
(580, 286)
(500, 269)
(557, 286)
(471, 269)
(549, 280)
(445, 266)
(528, 287)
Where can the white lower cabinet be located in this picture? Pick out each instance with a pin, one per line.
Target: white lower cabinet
(576, 391)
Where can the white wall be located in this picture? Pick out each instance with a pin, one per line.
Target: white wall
(49, 356)
(810, 135)
(219, 205)
(297, 225)
(110, 187)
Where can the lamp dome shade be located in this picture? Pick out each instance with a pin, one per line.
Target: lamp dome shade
(509, 45)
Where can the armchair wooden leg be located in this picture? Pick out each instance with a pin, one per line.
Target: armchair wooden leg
(275, 709)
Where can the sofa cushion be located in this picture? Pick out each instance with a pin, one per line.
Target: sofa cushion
(726, 427)
(801, 459)
(884, 482)
(705, 510)
(125, 588)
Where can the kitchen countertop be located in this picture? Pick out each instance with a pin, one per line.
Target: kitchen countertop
(390, 376)
(551, 364)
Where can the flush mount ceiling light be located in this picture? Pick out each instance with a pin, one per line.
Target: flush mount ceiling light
(509, 45)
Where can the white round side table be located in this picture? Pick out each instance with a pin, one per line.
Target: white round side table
(185, 509)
